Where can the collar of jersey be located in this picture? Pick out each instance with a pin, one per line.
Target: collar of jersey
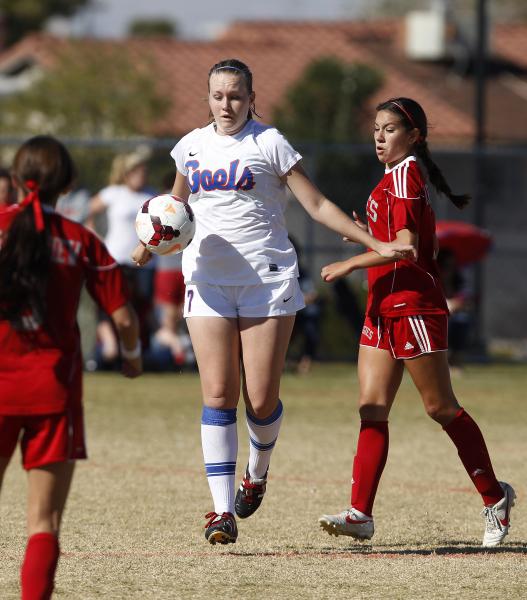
(234, 136)
(403, 162)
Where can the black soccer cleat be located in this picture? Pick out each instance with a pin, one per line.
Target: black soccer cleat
(249, 495)
(221, 529)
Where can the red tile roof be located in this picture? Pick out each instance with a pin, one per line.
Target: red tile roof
(510, 42)
(278, 52)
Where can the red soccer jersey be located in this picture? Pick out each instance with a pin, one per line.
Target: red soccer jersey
(400, 201)
(42, 374)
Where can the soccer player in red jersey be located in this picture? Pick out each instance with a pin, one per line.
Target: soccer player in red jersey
(45, 259)
(406, 326)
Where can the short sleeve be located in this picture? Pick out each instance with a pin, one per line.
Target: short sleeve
(180, 150)
(278, 150)
(104, 278)
(177, 153)
(407, 197)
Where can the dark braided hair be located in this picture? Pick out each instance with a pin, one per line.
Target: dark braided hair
(413, 117)
(26, 252)
(237, 67)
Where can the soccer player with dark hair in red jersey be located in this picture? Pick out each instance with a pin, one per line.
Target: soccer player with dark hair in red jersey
(406, 326)
(45, 259)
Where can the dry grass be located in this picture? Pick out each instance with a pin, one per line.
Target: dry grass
(134, 523)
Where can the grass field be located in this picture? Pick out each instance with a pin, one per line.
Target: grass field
(133, 527)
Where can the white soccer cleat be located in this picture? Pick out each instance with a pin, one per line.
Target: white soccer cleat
(349, 522)
(497, 517)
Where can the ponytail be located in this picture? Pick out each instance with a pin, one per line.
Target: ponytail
(24, 269)
(436, 177)
(413, 116)
(44, 169)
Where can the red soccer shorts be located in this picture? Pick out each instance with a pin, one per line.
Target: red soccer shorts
(408, 336)
(169, 287)
(45, 439)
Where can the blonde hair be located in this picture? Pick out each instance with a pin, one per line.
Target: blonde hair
(122, 164)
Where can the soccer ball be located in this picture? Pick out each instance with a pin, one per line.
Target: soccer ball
(165, 224)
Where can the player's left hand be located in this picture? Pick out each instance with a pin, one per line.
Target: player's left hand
(359, 222)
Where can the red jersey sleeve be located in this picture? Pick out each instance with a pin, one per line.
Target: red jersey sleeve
(407, 197)
(104, 279)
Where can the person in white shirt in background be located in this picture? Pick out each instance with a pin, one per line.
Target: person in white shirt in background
(241, 273)
(119, 202)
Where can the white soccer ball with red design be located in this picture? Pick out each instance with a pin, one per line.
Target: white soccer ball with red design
(165, 224)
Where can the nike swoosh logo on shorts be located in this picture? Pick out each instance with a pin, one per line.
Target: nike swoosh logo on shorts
(287, 299)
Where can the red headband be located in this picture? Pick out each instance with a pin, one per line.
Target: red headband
(403, 110)
(34, 198)
(409, 117)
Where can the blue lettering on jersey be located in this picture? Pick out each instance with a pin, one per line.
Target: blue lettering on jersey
(220, 179)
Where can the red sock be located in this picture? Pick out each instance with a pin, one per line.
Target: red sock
(467, 437)
(38, 569)
(368, 465)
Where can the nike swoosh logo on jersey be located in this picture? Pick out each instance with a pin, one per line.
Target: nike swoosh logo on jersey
(287, 299)
(192, 153)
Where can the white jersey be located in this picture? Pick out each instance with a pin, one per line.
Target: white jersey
(239, 200)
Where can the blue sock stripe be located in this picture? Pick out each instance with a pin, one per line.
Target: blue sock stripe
(218, 416)
(274, 416)
(260, 446)
(215, 469)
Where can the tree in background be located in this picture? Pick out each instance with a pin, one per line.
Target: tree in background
(152, 27)
(326, 103)
(19, 17)
(92, 92)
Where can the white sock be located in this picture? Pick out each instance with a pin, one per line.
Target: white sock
(263, 434)
(219, 440)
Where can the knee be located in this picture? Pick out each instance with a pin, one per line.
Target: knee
(440, 411)
(220, 397)
(262, 408)
(220, 402)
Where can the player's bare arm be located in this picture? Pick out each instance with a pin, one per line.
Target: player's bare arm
(329, 214)
(180, 187)
(342, 268)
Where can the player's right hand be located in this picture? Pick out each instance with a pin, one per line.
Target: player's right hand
(397, 250)
(141, 255)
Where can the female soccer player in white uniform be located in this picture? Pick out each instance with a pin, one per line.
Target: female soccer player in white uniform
(241, 275)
